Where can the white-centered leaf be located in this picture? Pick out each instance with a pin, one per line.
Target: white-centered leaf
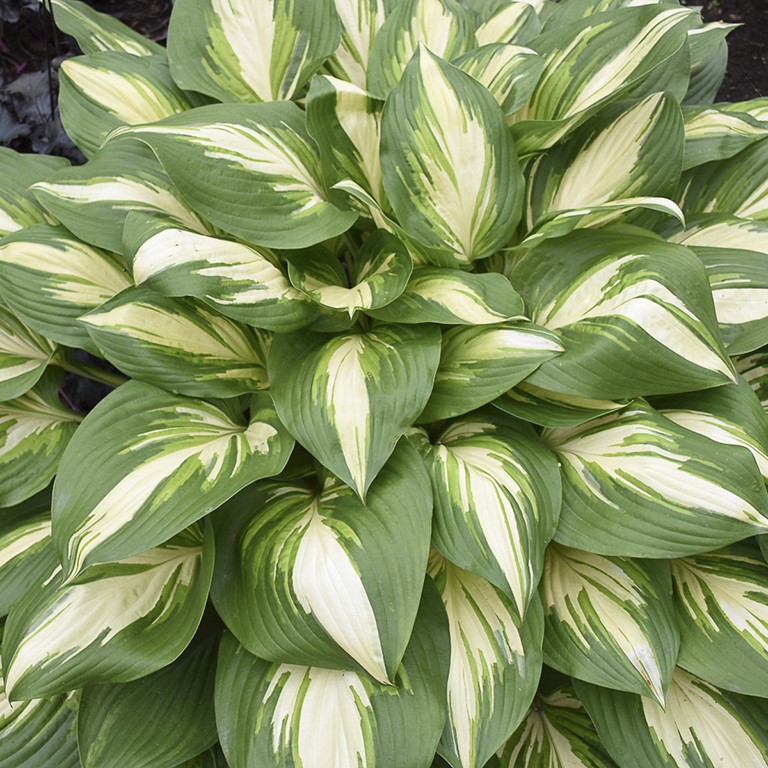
(497, 498)
(158, 462)
(349, 398)
(515, 22)
(250, 50)
(228, 160)
(494, 668)
(609, 620)
(636, 484)
(315, 559)
(361, 21)
(450, 167)
(121, 621)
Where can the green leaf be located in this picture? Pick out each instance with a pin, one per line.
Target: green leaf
(228, 160)
(479, 363)
(377, 276)
(157, 462)
(348, 399)
(179, 346)
(34, 432)
(722, 611)
(451, 297)
(497, 498)
(638, 485)
(50, 278)
(635, 315)
(255, 51)
(281, 714)
(24, 355)
(160, 720)
(238, 281)
(701, 726)
(454, 182)
(120, 621)
(96, 31)
(495, 665)
(753, 368)
(709, 58)
(609, 620)
(304, 570)
(105, 90)
(442, 26)
(94, 200)
(18, 208)
(360, 23)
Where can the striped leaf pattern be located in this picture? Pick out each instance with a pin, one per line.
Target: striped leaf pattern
(228, 160)
(250, 51)
(609, 620)
(636, 484)
(387, 373)
(121, 621)
(360, 22)
(313, 558)
(158, 463)
(494, 666)
(455, 186)
(722, 610)
(497, 498)
(514, 22)
(178, 345)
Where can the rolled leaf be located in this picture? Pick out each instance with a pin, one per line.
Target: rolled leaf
(304, 572)
(349, 398)
(228, 160)
(262, 50)
(121, 621)
(709, 58)
(636, 484)
(157, 462)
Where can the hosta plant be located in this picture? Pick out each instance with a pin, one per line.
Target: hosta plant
(437, 436)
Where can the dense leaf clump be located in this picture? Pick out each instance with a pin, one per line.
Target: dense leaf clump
(441, 434)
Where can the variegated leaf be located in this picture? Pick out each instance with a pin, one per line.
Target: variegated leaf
(509, 72)
(103, 91)
(158, 720)
(600, 59)
(722, 611)
(553, 409)
(345, 122)
(455, 184)
(497, 498)
(250, 50)
(636, 484)
(96, 31)
(635, 315)
(348, 399)
(238, 281)
(24, 355)
(360, 23)
(34, 432)
(700, 726)
(451, 297)
(479, 363)
(753, 368)
(609, 620)
(709, 58)
(624, 152)
(18, 208)
(377, 274)
(556, 733)
(178, 345)
(38, 733)
(494, 668)
(712, 133)
(514, 22)
(157, 462)
(49, 279)
(304, 569)
(735, 186)
(121, 621)
(282, 714)
(756, 108)
(717, 230)
(442, 26)
(229, 160)
(94, 200)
